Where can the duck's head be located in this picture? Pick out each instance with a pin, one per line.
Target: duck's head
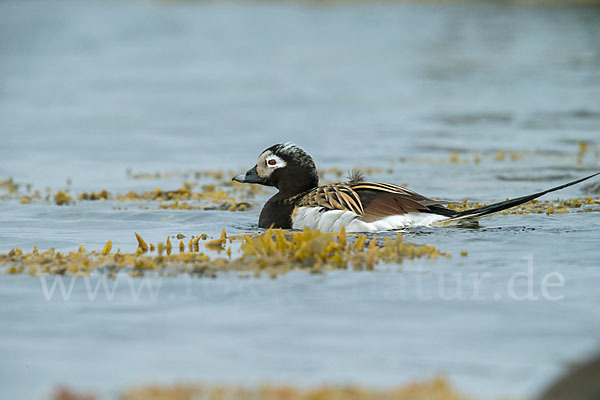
(284, 166)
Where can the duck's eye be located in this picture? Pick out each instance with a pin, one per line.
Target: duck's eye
(271, 162)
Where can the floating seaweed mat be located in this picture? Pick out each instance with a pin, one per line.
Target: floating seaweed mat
(435, 389)
(273, 252)
(175, 199)
(223, 196)
(586, 204)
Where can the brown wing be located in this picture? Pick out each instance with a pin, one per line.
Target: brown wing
(370, 201)
(338, 196)
(382, 200)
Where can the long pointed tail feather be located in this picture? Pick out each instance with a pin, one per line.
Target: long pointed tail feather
(503, 205)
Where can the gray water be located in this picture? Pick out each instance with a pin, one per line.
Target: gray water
(90, 90)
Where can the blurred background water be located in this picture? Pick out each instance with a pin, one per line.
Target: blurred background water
(90, 90)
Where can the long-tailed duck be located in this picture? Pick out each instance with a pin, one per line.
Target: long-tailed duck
(357, 205)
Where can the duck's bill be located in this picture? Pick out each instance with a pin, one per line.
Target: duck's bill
(250, 176)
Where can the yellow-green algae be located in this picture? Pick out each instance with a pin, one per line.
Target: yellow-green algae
(183, 198)
(102, 195)
(9, 185)
(581, 152)
(222, 194)
(434, 389)
(437, 389)
(579, 205)
(273, 252)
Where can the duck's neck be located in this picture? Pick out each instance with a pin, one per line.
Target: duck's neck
(277, 213)
(295, 181)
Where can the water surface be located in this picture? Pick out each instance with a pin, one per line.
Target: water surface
(90, 90)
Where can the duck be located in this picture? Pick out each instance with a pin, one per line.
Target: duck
(356, 205)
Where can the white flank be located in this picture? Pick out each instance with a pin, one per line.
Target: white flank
(333, 220)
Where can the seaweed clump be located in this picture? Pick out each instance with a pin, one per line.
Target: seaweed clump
(280, 250)
(273, 252)
(586, 204)
(62, 198)
(435, 389)
(103, 195)
(180, 199)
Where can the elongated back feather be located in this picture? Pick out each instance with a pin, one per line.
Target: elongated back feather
(476, 213)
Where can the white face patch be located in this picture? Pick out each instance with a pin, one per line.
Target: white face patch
(267, 163)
